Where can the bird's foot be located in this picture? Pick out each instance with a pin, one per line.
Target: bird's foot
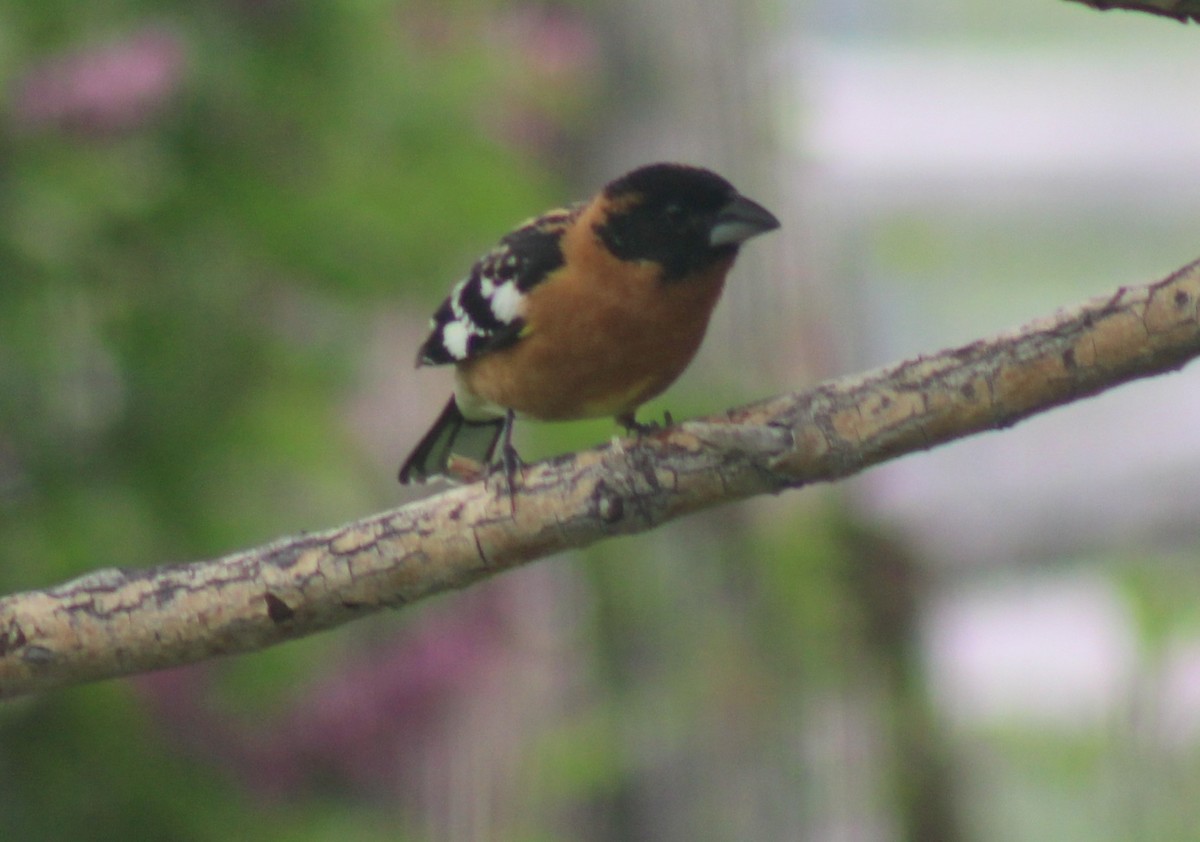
(634, 427)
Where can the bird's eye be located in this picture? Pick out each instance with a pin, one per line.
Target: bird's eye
(675, 214)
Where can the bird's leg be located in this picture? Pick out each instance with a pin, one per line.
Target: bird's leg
(510, 460)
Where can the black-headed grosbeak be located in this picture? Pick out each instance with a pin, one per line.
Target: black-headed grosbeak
(585, 311)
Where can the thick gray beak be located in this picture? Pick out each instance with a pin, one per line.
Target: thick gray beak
(740, 220)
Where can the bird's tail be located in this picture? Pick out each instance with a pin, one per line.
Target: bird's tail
(451, 435)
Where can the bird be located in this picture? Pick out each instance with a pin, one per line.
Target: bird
(586, 311)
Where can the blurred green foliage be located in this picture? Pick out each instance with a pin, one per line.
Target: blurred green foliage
(182, 293)
(200, 206)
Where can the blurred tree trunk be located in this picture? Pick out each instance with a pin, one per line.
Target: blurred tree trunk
(693, 82)
(689, 82)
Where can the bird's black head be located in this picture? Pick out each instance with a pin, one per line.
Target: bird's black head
(684, 218)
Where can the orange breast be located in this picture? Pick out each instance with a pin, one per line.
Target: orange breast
(602, 336)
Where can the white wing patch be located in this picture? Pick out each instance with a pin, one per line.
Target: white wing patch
(454, 338)
(506, 301)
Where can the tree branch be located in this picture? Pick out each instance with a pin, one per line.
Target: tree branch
(115, 622)
(1180, 10)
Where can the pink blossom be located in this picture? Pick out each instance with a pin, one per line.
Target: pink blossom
(103, 89)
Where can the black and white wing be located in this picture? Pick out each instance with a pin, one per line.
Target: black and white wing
(483, 311)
